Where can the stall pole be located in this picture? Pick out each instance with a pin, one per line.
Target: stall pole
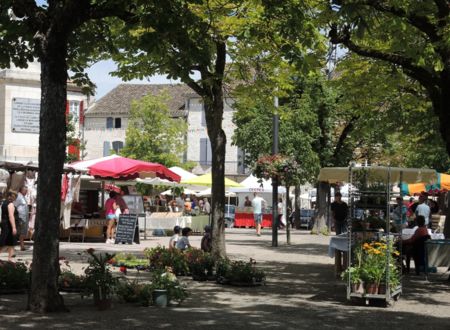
(275, 178)
(288, 230)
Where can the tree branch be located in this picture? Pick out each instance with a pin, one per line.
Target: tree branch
(422, 23)
(422, 75)
(344, 134)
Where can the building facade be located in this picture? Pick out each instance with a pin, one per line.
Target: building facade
(20, 94)
(106, 122)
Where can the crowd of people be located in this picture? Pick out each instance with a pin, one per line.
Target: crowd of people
(182, 203)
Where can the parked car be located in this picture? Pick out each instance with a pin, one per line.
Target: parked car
(230, 211)
(306, 216)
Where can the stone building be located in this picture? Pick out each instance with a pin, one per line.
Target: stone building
(20, 93)
(106, 122)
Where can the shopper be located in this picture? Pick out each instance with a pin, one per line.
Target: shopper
(22, 222)
(257, 204)
(175, 237)
(339, 212)
(110, 212)
(8, 235)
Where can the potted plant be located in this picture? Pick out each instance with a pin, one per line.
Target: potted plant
(161, 257)
(135, 292)
(100, 281)
(354, 275)
(14, 277)
(166, 288)
(200, 264)
(243, 273)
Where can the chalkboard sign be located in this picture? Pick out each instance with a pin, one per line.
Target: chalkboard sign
(126, 228)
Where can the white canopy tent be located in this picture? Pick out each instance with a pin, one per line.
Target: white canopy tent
(252, 185)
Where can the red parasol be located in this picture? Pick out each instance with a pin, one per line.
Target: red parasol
(121, 168)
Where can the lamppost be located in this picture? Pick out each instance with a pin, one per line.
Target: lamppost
(275, 177)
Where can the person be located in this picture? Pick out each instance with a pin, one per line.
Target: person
(399, 215)
(339, 212)
(257, 204)
(280, 214)
(247, 202)
(206, 206)
(183, 241)
(180, 202)
(408, 244)
(410, 204)
(187, 206)
(110, 213)
(175, 237)
(122, 205)
(22, 222)
(420, 232)
(206, 243)
(423, 209)
(173, 206)
(8, 234)
(193, 203)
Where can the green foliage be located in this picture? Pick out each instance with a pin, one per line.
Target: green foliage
(135, 292)
(166, 280)
(99, 279)
(68, 280)
(201, 264)
(239, 272)
(152, 134)
(161, 258)
(13, 276)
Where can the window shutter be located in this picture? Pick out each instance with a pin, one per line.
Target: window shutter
(117, 146)
(118, 123)
(208, 152)
(203, 151)
(109, 122)
(106, 148)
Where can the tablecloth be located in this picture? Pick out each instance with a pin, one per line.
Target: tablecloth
(339, 242)
(438, 253)
(247, 220)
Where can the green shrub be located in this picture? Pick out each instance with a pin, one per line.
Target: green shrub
(13, 276)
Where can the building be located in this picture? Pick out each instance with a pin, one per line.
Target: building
(20, 94)
(106, 122)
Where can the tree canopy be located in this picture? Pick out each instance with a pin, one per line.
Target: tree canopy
(152, 134)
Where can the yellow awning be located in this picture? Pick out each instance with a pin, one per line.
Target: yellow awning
(206, 180)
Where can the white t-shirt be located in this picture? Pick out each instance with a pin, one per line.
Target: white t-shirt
(173, 240)
(280, 208)
(424, 209)
(257, 204)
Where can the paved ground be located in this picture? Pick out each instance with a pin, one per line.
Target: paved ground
(301, 293)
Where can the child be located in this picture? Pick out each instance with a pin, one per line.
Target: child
(174, 239)
(206, 239)
(183, 242)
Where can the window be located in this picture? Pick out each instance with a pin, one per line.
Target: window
(109, 122)
(106, 148)
(118, 123)
(205, 152)
(74, 110)
(117, 146)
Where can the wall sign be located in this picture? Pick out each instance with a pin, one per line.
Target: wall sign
(25, 115)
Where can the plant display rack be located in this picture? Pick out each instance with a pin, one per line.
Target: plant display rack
(361, 193)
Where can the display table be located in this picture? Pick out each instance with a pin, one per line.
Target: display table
(338, 249)
(247, 220)
(438, 253)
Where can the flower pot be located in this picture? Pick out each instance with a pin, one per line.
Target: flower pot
(358, 287)
(371, 288)
(160, 298)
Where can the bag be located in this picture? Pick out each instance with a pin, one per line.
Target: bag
(118, 212)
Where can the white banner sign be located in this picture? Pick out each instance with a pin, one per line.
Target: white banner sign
(25, 115)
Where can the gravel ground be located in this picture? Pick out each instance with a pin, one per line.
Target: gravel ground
(301, 292)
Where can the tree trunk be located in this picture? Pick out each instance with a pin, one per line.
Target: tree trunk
(44, 295)
(320, 219)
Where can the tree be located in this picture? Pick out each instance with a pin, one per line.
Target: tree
(152, 134)
(412, 35)
(51, 33)
(196, 36)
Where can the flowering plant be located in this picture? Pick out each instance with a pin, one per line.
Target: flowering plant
(201, 264)
(167, 280)
(286, 168)
(161, 257)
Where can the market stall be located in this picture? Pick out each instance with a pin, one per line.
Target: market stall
(373, 253)
(246, 220)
